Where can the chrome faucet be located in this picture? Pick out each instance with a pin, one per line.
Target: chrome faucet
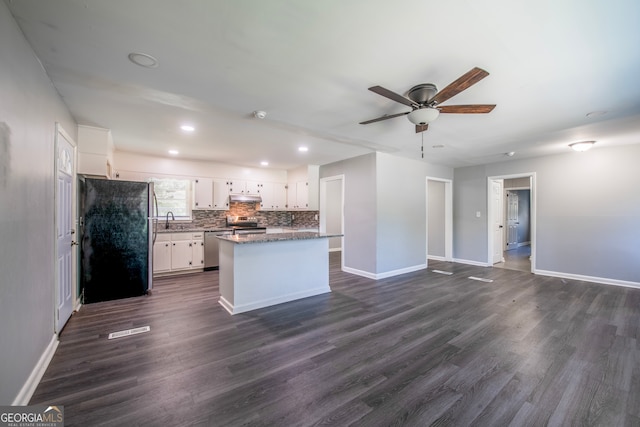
(166, 226)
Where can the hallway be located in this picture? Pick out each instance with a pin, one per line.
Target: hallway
(517, 259)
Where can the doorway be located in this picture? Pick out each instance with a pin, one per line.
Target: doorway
(66, 237)
(439, 219)
(511, 222)
(332, 213)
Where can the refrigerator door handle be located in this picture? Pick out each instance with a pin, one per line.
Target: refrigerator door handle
(155, 217)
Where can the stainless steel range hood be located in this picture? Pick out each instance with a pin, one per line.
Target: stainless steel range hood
(250, 198)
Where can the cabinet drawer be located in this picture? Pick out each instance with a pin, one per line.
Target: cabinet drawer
(163, 237)
(197, 236)
(180, 236)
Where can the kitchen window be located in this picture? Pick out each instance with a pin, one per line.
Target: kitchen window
(174, 195)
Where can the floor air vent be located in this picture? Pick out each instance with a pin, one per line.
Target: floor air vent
(448, 273)
(480, 279)
(129, 332)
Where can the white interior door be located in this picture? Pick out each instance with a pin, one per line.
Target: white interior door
(497, 220)
(65, 233)
(512, 220)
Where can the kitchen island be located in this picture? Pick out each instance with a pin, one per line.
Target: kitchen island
(260, 270)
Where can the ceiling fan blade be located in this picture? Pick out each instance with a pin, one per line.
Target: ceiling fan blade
(385, 117)
(421, 128)
(468, 79)
(392, 96)
(467, 109)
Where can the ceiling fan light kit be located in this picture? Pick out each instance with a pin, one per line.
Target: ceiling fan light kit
(423, 116)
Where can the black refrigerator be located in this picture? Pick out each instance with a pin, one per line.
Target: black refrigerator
(116, 239)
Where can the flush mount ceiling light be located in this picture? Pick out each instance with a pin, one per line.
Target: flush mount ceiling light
(423, 116)
(596, 114)
(582, 145)
(187, 128)
(259, 114)
(143, 60)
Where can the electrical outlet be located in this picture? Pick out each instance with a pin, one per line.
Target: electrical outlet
(478, 214)
(316, 217)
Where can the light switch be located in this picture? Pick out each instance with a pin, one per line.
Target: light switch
(478, 214)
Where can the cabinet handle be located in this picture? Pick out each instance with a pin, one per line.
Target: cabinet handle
(174, 244)
(166, 245)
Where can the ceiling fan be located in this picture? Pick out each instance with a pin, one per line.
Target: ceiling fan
(424, 100)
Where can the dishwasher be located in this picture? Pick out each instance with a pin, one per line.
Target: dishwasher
(211, 248)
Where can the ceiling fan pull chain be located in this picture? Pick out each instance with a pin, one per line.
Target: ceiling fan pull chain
(422, 146)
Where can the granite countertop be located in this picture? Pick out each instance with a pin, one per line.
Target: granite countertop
(203, 229)
(275, 237)
(192, 230)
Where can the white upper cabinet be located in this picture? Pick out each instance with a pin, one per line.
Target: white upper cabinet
(298, 195)
(203, 193)
(221, 194)
(274, 196)
(95, 151)
(252, 187)
(303, 188)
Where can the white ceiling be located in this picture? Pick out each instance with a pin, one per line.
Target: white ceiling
(308, 64)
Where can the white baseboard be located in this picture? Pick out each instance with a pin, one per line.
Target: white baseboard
(378, 276)
(29, 387)
(237, 309)
(436, 258)
(592, 279)
(469, 262)
(335, 250)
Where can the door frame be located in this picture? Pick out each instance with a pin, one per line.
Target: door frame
(448, 217)
(60, 132)
(533, 215)
(496, 217)
(322, 224)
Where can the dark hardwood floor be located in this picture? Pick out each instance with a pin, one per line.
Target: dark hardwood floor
(418, 349)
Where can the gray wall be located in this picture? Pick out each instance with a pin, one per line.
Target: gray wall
(359, 250)
(524, 223)
(385, 210)
(587, 211)
(29, 109)
(436, 216)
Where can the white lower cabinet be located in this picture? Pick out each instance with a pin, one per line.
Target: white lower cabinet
(162, 253)
(175, 252)
(197, 250)
(181, 254)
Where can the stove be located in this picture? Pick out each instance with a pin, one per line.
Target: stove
(245, 225)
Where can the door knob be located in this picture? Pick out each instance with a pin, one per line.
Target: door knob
(74, 243)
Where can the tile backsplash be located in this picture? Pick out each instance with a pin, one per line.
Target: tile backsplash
(218, 218)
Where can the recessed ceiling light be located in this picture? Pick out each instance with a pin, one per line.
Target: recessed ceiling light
(143, 60)
(510, 153)
(303, 149)
(187, 128)
(264, 163)
(174, 152)
(582, 145)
